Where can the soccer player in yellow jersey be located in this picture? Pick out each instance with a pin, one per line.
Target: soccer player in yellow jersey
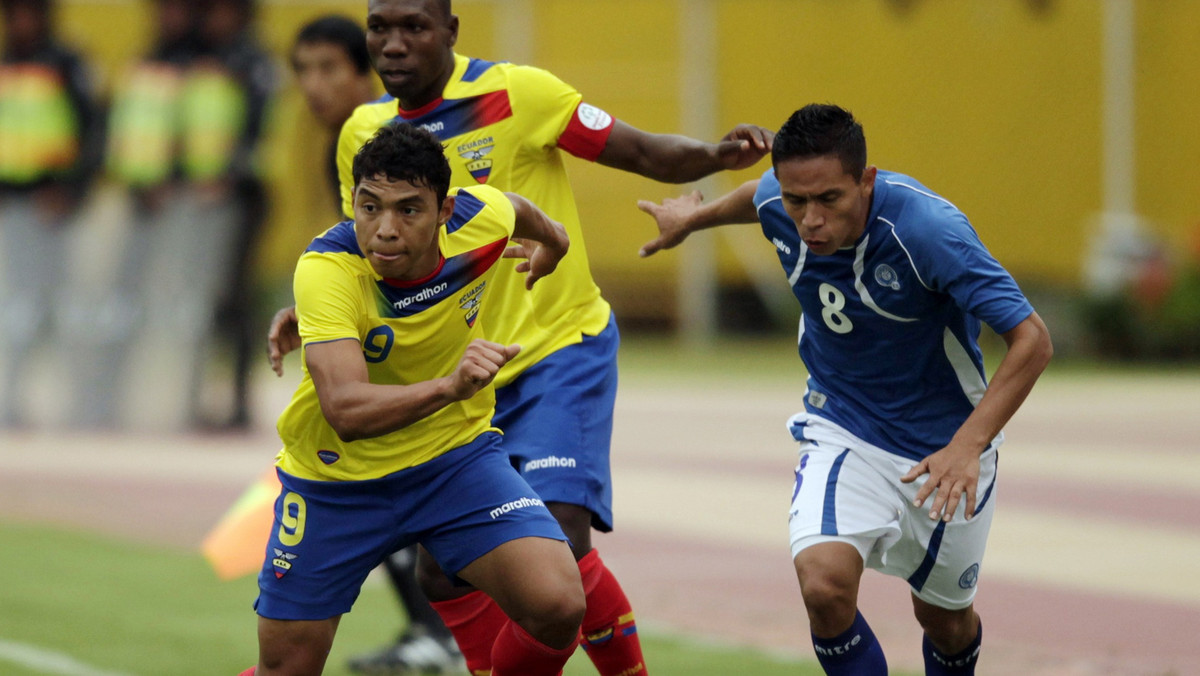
(507, 126)
(388, 440)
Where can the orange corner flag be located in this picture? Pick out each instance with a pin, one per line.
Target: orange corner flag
(237, 544)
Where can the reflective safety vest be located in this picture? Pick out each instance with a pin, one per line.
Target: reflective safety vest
(144, 124)
(39, 128)
(213, 116)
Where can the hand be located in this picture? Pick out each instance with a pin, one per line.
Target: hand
(479, 366)
(744, 146)
(671, 217)
(282, 337)
(953, 472)
(540, 259)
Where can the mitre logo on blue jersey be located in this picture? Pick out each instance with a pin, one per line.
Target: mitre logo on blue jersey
(476, 154)
(886, 276)
(470, 302)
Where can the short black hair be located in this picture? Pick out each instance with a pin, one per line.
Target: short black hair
(402, 152)
(340, 32)
(822, 129)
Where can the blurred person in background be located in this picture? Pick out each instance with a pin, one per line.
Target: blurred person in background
(511, 127)
(51, 145)
(226, 100)
(333, 70)
(145, 157)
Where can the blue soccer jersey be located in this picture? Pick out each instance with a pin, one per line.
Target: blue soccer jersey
(889, 326)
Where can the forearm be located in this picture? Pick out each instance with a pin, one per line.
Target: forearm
(364, 410)
(669, 158)
(533, 223)
(731, 208)
(1029, 351)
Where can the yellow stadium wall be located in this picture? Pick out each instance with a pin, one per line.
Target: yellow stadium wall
(996, 104)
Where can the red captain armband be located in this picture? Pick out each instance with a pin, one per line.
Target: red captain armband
(587, 132)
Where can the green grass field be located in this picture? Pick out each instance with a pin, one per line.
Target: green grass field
(116, 608)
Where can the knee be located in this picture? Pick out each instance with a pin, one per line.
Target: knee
(826, 589)
(830, 597)
(554, 617)
(949, 630)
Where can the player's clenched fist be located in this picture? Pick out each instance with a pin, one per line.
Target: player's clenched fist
(479, 365)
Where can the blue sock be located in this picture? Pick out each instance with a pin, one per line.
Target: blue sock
(855, 652)
(959, 664)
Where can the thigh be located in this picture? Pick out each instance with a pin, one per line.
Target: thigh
(295, 646)
(526, 576)
(557, 423)
(326, 538)
(839, 497)
(941, 560)
(480, 504)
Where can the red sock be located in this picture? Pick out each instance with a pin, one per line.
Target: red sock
(609, 634)
(475, 621)
(516, 653)
(248, 672)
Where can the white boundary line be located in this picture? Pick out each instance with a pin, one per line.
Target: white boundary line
(47, 661)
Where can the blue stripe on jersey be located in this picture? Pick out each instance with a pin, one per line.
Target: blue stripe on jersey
(338, 239)
(455, 117)
(829, 513)
(918, 578)
(466, 207)
(455, 274)
(475, 68)
(902, 385)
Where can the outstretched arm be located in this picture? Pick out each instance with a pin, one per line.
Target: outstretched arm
(542, 241)
(672, 158)
(359, 409)
(954, 470)
(681, 216)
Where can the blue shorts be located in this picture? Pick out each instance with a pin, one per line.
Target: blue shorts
(328, 535)
(557, 418)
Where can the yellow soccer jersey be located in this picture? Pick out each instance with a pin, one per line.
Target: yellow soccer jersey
(409, 332)
(503, 125)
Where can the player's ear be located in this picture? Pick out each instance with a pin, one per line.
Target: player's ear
(447, 210)
(868, 178)
(453, 26)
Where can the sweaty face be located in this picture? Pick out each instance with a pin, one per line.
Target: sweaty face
(331, 85)
(396, 224)
(827, 204)
(411, 43)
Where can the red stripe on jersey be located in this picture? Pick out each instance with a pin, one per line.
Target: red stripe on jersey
(585, 141)
(491, 108)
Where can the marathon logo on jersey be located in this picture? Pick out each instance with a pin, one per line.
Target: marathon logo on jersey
(328, 457)
(422, 295)
(970, 577)
(886, 276)
(470, 302)
(549, 462)
(434, 127)
(282, 563)
(475, 153)
(515, 504)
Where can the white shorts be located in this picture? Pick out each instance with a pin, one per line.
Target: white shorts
(849, 491)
